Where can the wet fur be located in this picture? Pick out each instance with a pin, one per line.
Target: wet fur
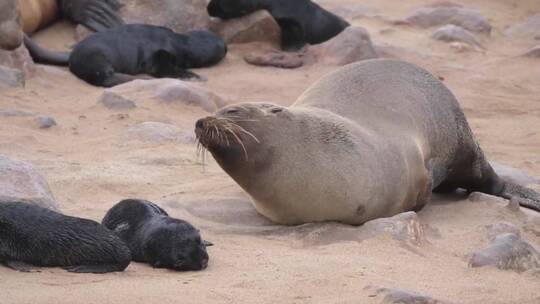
(370, 140)
(155, 238)
(117, 56)
(41, 237)
(301, 21)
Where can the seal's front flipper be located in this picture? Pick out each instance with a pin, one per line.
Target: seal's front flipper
(20, 266)
(292, 34)
(103, 268)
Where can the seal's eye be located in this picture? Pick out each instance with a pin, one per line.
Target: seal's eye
(276, 110)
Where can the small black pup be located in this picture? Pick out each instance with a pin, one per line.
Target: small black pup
(156, 238)
(117, 55)
(34, 235)
(301, 21)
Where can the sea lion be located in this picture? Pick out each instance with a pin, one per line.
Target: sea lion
(34, 235)
(155, 238)
(118, 55)
(97, 15)
(10, 25)
(301, 21)
(370, 140)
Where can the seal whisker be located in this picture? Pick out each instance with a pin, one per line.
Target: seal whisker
(238, 140)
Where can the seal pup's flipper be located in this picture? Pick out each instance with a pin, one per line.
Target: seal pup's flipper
(97, 15)
(42, 55)
(21, 266)
(104, 268)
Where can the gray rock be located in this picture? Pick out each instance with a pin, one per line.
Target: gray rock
(274, 58)
(454, 33)
(513, 175)
(351, 45)
(10, 25)
(19, 181)
(528, 29)
(258, 26)
(11, 77)
(400, 296)
(507, 251)
(468, 19)
(112, 100)
(178, 15)
(501, 228)
(159, 132)
(45, 122)
(19, 59)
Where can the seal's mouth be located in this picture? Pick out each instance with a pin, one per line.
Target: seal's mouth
(213, 133)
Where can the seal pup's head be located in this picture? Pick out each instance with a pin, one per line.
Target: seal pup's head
(176, 245)
(11, 34)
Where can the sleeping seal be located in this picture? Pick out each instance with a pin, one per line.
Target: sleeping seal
(30, 234)
(156, 238)
(301, 21)
(116, 56)
(370, 140)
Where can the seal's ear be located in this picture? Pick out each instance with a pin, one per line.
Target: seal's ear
(207, 243)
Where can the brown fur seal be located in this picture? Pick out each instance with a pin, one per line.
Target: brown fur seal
(10, 25)
(97, 15)
(370, 140)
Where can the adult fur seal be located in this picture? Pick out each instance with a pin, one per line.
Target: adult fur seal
(156, 238)
(370, 140)
(97, 15)
(34, 235)
(10, 25)
(118, 55)
(301, 21)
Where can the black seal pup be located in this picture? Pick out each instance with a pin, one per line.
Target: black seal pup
(301, 21)
(156, 238)
(116, 56)
(37, 236)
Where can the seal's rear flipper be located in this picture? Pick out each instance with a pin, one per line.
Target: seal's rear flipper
(42, 55)
(526, 197)
(20, 266)
(103, 268)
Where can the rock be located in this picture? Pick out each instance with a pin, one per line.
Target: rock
(164, 90)
(513, 204)
(454, 33)
(461, 47)
(354, 11)
(351, 45)
(178, 15)
(257, 26)
(159, 132)
(19, 181)
(483, 197)
(279, 59)
(46, 122)
(507, 251)
(513, 175)
(403, 227)
(18, 59)
(528, 29)
(533, 53)
(468, 19)
(500, 228)
(11, 77)
(10, 25)
(400, 296)
(113, 101)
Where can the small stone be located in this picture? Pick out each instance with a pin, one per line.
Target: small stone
(20, 181)
(500, 228)
(114, 101)
(275, 58)
(513, 204)
(257, 26)
(400, 296)
(46, 122)
(507, 251)
(468, 19)
(11, 77)
(454, 33)
(351, 45)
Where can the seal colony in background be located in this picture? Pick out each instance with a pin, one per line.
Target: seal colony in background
(370, 140)
(118, 55)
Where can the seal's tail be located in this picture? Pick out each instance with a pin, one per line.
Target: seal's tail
(42, 55)
(527, 197)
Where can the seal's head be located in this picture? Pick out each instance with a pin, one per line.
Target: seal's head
(11, 34)
(177, 245)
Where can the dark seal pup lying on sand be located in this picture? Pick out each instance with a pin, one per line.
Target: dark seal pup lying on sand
(34, 235)
(116, 56)
(301, 21)
(156, 238)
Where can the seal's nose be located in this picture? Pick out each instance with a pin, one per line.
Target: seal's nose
(199, 124)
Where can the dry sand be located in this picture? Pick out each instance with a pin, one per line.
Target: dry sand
(90, 165)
